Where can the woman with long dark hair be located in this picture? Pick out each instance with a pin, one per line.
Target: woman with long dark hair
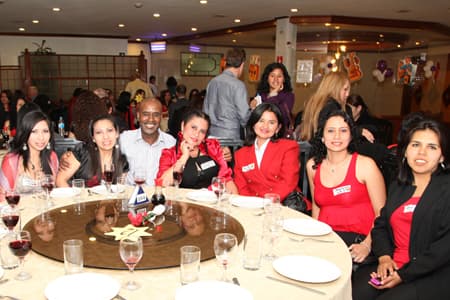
(31, 154)
(86, 161)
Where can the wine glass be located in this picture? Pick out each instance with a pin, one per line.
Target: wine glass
(139, 176)
(225, 248)
(218, 187)
(20, 246)
(47, 184)
(272, 228)
(271, 201)
(177, 177)
(12, 197)
(5, 136)
(10, 216)
(108, 173)
(131, 253)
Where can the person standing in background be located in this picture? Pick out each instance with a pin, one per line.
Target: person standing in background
(226, 98)
(135, 84)
(152, 85)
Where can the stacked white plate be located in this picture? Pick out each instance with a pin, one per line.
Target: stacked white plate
(211, 289)
(307, 227)
(202, 195)
(248, 202)
(64, 192)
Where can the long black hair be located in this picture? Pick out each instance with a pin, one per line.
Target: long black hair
(254, 118)
(405, 175)
(24, 129)
(318, 149)
(118, 159)
(263, 86)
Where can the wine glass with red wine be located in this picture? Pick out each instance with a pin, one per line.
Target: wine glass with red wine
(20, 246)
(12, 197)
(177, 177)
(108, 174)
(10, 216)
(131, 252)
(139, 176)
(47, 184)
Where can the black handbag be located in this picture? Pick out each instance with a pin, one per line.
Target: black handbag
(296, 200)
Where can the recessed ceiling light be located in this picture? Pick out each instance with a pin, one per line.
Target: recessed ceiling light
(156, 15)
(203, 2)
(327, 24)
(417, 43)
(378, 43)
(234, 41)
(138, 40)
(399, 46)
(294, 10)
(353, 40)
(56, 9)
(21, 29)
(237, 20)
(343, 48)
(381, 35)
(337, 27)
(138, 4)
(193, 29)
(35, 21)
(163, 34)
(121, 25)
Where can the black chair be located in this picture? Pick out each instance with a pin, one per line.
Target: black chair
(305, 148)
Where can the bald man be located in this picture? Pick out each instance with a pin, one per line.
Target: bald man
(143, 146)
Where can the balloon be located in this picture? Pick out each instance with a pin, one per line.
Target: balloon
(330, 65)
(433, 68)
(380, 78)
(376, 73)
(388, 72)
(428, 74)
(317, 78)
(381, 65)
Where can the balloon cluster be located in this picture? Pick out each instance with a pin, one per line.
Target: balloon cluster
(328, 65)
(382, 71)
(429, 68)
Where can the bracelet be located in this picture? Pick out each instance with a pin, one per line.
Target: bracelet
(368, 248)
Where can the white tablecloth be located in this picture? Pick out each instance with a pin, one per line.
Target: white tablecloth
(162, 284)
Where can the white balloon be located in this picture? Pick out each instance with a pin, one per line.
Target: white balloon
(376, 73)
(380, 77)
(428, 74)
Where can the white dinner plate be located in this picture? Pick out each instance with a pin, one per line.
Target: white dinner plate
(307, 268)
(86, 286)
(211, 289)
(308, 227)
(202, 195)
(63, 192)
(101, 189)
(248, 202)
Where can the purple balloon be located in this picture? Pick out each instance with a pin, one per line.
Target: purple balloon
(330, 65)
(381, 65)
(388, 73)
(433, 68)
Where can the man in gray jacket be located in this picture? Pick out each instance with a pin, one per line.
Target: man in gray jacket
(226, 100)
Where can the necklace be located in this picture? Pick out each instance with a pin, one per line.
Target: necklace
(333, 167)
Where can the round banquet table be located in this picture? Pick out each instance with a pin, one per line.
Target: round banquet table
(161, 282)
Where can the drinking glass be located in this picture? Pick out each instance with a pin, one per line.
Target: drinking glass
(47, 184)
(108, 174)
(271, 200)
(218, 187)
(12, 197)
(139, 176)
(10, 216)
(225, 249)
(20, 246)
(177, 177)
(77, 188)
(272, 228)
(131, 253)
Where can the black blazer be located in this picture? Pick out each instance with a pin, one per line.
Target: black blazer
(429, 246)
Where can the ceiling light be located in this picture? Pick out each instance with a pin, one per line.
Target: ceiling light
(399, 46)
(234, 41)
(337, 27)
(327, 24)
(417, 43)
(163, 34)
(203, 2)
(121, 25)
(156, 15)
(138, 40)
(193, 29)
(21, 29)
(294, 10)
(35, 21)
(353, 40)
(237, 20)
(381, 35)
(138, 4)
(378, 43)
(56, 9)
(343, 48)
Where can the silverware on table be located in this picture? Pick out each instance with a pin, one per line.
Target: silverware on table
(235, 281)
(311, 239)
(296, 284)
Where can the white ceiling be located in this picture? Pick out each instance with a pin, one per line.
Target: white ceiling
(101, 17)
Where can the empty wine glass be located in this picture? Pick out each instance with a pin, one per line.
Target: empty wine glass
(47, 184)
(20, 245)
(131, 252)
(272, 228)
(108, 174)
(225, 249)
(10, 216)
(218, 187)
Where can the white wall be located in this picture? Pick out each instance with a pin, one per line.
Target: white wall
(12, 46)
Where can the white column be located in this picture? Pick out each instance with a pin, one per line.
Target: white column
(285, 45)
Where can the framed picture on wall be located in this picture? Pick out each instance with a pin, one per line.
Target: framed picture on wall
(200, 64)
(304, 70)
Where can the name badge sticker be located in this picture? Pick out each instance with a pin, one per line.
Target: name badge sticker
(207, 164)
(342, 190)
(248, 167)
(409, 208)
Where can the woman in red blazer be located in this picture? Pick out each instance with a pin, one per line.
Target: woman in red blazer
(267, 163)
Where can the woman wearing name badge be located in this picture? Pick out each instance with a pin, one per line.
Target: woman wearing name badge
(347, 188)
(87, 160)
(267, 163)
(411, 237)
(31, 154)
(198, 159)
